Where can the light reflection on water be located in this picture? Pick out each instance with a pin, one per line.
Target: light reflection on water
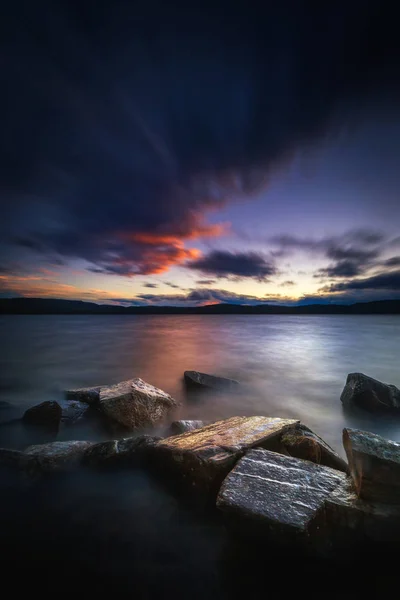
(289, 366)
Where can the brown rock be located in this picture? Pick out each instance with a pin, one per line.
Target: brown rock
(45, 414)
(374, 465)
(112, 453)
(203, 457)
(135, 403)
(301, 442)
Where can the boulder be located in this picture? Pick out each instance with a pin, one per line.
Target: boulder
(270, 495)
(127, 451)
(203, 457)
(44, 414)
(374, 465)
(194, 379)
(90, 395)
(73, 411)
(135, 403)
(10, 458)
(56, 456)
(178, 427)
(301, 442)
(364, 392)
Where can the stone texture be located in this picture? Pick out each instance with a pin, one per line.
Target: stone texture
(57, 456)
(203, 457)
(119, 452)
(10, 458)
(178, 427)
(195, 379)
(45, 414)
(364, 392)
(301, 442)
(90, 395)
(276, 495)
(73, 411)
(374, 465)
(135, 403)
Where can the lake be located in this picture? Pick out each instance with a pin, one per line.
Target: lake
(122, 531)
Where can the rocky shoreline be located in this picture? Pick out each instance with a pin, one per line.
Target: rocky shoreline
(268, 478)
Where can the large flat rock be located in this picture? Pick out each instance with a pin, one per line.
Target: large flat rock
(204, 456)
(268, 493)
(374, 465)
(135, 403)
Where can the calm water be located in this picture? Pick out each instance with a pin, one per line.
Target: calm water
(122, 532)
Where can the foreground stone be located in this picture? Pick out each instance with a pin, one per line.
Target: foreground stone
(301, 442)
(194, 379)
(90, 395)
(374, 465)
(278, 496)
(178, 427)
(44, 414)
(135, 403)
(125, 452)
(56, 456)
(203, 457)
(364, 392)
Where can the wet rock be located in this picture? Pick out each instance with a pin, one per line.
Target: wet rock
(128, 451)
(10, 458)
(135, 403)
(301, 442)
(45, 414)
(194, 379)
(73, 411)
(178, 427)
(203, 457)
(364, 392)
(374, 465)
(277, 496)
(90, 395)
(57, 456)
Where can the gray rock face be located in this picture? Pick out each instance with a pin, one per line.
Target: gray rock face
(178, 427)
(364, 392)
(374, 465)
(194, 379)
(90, 395)
(301, 442)
(127, 451)
(73, 411)
(57, 456)
(135, 403)
(45, 414)
(277, 495)
(203, 457)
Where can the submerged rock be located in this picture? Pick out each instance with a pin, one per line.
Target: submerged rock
(178, 427)
(90, 395)
(198, 380)
(203, 457)
(45, 414)
(301, 442)
(374, 465)
(272, 495)
(135, 403)
(362, 391)
(56, 456)
(127, 451)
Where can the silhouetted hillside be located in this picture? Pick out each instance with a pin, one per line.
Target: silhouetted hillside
(47, 306)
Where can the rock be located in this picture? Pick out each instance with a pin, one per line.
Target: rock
(301, 442)
(270, 495)
(46, 414)
(197, 380)
(57, 456)
(10, 458)
(374, 465)
(90, 395)
(178, 427)
(135, 403)
(364, 392)
(203, 457)
(73, 411)
(127, 451)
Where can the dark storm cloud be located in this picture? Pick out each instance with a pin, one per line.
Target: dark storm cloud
(237, 265)
(392, 262)
(198, 297)
(123, 123)
(384, 281)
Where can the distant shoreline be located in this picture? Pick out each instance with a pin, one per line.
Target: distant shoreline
(44, 306)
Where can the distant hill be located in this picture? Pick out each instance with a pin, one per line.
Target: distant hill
(44, 306)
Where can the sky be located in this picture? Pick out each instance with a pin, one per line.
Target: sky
(200, 154)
